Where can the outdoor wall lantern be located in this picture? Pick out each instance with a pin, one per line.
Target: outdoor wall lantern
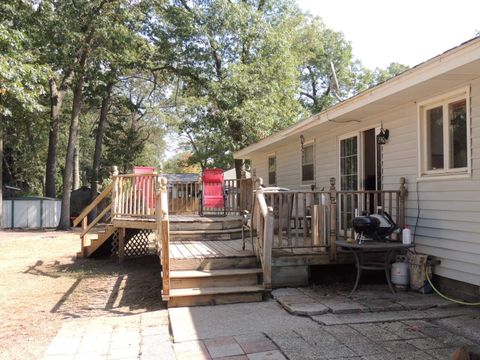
(302, 142)
(382, 136)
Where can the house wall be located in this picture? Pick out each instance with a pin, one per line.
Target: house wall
(448, 224)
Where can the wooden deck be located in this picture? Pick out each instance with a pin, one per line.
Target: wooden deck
(179, 221)
(227, 249)
(209, 249)
(186, 218)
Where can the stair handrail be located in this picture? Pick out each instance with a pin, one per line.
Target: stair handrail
(265, 236)
(96, 220)
(163, 234)
(93, 204)
(83, 217)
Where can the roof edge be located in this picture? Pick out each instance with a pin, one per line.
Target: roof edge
(365, 97)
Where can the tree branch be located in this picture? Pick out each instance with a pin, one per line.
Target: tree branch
(303, 93)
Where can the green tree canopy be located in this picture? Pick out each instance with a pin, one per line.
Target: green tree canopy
(235, 73)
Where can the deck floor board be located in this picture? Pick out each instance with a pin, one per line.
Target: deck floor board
(208, 249)
(174, 251)
(205, 249)
(201, 249)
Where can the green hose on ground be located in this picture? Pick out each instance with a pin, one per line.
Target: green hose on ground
(446, 297)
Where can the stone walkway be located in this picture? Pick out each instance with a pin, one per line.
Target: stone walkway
(253, 346)
(143, 336)
(320, 323)
(318, 300)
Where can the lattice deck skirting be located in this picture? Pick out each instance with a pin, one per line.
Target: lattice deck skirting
(114, 248)
(136, 243)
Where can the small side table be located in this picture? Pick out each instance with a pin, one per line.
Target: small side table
(388, 248)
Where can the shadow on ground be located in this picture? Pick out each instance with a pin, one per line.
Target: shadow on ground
(105, 287)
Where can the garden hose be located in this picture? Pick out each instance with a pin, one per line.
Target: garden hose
(446, 297)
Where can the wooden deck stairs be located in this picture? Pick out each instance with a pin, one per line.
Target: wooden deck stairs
(102, 235)
(208, 265)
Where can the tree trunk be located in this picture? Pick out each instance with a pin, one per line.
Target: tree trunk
(76, 167)
(72, 140)
(97, 155)
(239, 165)
(1, 172)
(56, 101)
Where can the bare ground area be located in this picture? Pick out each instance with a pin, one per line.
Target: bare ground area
(42, 284)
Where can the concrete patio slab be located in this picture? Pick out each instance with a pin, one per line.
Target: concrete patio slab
(302, 305)
(267, 355)
(468, 325)
(372, 317)
(204, 322)
(144, 336)
(223, 346)
(266, 331)
(321, 299)
(191, 350)
(253, 343)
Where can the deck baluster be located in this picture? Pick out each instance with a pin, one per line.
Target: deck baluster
(402, 198)
(114, 191)
(333, 220)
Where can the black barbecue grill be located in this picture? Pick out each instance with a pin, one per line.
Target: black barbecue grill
(374, 227)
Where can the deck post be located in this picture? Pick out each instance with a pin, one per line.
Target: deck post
(333, 220)
(114, 191)
(267, 249)
(315, 225)
(84, 236)
(163, 234)
(256, 218)
(265, 237)
(402, 199)
(121, 245)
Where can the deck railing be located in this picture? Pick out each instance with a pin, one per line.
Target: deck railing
(354, 203)
(134, 196)
(316, 219)
(183, 197)
(264, 224)
(163, 234)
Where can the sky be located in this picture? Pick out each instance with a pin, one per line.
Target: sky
(404, 31)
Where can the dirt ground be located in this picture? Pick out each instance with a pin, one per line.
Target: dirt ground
(42, 284)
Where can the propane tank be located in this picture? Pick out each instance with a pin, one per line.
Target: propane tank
(406, 235)
(400, 273)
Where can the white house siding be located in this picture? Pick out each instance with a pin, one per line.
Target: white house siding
(449, 220)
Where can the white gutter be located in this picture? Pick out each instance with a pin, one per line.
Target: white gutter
(449, 60)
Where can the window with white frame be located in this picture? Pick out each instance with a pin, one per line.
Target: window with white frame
(272, 170)
(308, 169)
(445, 135)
